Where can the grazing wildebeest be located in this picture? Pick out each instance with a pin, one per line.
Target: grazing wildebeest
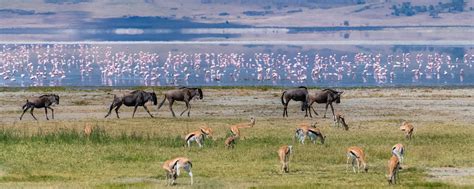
(135, 98)
(299, 94)
(181, 94)
(44, 101)
(327, 96)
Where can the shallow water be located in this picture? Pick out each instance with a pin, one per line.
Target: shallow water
(235, 64)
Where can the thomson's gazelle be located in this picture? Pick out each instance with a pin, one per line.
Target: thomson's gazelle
(234, 129)
(398, 150)
(341, 120)
(311, 131)
(198, 136)
(393, 167)
(408, 129)
(284, 155)
(357, 157)
(172, 168)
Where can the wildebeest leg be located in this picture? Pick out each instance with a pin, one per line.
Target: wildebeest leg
(134, 110)
(117, 109)
(285, 106)
(332, 109)
(187, 108)
(311, 106)
(26, 109)
(46, 112)
(325, 111)
(31, 112)
(52, 111)
(110, 110)
(171, 107)
(147, 110)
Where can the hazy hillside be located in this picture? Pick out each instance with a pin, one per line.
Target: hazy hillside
(63, 14)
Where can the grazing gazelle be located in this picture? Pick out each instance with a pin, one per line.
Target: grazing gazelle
(87, 130)
(311, 131)
(234, 129)
(357, 157)
(172, 169)
(393, 167)
(284, 154)
(408, 129)
(398, 150)
(198, 136)
(340, 120)
(230, 142)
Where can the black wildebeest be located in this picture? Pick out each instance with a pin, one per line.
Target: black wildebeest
(135, 98)
(181, 94)
(299, 94)
(43, 101)
(327, 96)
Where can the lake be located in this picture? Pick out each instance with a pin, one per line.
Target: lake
(239, 63)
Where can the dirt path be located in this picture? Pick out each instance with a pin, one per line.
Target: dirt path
(460, 176)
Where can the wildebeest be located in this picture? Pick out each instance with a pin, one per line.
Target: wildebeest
(184, 94)
(135, 98)
(327, 96)
(299, 94)
(43, 101)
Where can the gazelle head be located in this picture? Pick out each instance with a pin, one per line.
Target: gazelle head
(323, 138)
(206, 131)
(252, 121)
(87, 129)
(314, 124)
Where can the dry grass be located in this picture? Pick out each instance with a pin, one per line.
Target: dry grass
(128, 152)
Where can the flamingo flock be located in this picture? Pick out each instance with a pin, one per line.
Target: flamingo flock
(102, 65)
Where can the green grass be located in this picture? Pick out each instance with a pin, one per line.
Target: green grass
(118, 151)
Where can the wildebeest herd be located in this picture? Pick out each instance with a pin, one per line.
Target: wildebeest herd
(355, 155)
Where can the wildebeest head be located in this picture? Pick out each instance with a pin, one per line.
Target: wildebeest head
(153, 98)
(338, 96)
(54, 98)
(197, 91)
(200, 93)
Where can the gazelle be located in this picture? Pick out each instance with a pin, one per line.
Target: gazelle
(198, 136)
(172, 168)
(284, 154)
(393, 167)
(87, 130)
(309, 130)
(230, 142)
(340, 120)
(357, 157)
(408, 129)
(235, 129)
(398, 150)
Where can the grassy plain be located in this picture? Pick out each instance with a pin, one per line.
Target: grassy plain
(128, 153)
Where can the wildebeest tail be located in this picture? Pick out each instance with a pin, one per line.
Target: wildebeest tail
(26, 104)
(282, 95)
